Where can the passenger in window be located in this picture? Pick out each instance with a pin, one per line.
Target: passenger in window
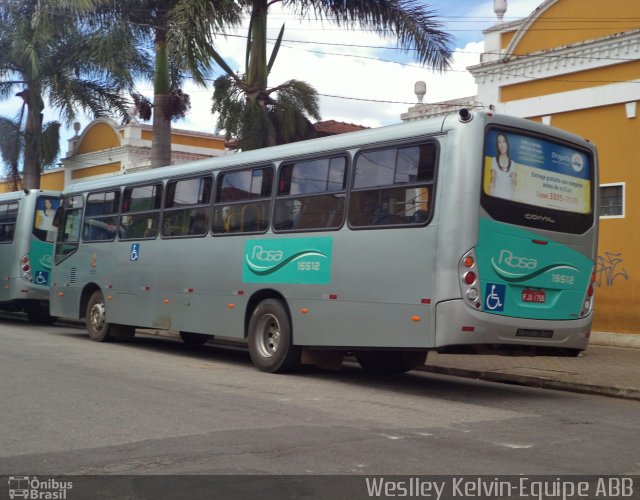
(102, 229)
(198, 224)
(502, 183)
(6, 232)
(420, 216)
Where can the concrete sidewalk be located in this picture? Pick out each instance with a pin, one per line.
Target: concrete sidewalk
(610, 366)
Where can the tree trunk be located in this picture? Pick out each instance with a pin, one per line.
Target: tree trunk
(257, 72)
(161, 143)
(33, 132)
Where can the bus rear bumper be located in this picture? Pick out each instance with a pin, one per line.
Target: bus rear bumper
(18, 289)
(461, 329)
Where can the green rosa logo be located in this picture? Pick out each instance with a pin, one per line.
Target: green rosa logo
(288, 260)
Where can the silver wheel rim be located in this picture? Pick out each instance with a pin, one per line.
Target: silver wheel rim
(268, 338)
(97, 316)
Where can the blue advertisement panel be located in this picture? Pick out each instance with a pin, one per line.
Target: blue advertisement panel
(288, 260)
(536, 172)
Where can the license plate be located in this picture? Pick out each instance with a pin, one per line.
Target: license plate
(540, 334)
(537, 296)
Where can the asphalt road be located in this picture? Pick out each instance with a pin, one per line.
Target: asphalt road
(154, 406)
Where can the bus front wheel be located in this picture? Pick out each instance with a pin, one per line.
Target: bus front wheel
(270, 339)
(97, 324)
(390, 361)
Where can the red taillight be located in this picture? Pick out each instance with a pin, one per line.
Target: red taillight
(25, 267)
(469, 278)
(590, 291)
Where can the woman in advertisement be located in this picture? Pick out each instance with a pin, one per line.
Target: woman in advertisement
(502, 182)
(44, 217)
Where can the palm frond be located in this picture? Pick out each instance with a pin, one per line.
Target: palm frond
(50, 143)
(409, 22)
(274, 52)
(11, 147)
(191, 24)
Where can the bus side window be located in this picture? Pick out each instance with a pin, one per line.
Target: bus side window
(6, 233)
(186, 207)
(393, 186)
(8, 218)
(101, 216)
(311, 195)
(243, 201)
(141, 212)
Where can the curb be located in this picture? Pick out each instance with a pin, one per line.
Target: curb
(631, 340)
(539, 382)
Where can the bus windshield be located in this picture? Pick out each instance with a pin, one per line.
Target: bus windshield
(553, 179)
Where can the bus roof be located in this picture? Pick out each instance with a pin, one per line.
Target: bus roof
(18, 195)
(338, 143)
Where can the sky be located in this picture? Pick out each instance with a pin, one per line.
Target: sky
(370, 80)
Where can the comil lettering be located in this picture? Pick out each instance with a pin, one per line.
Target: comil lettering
(542, 218)
(263, 255)
(511, 260)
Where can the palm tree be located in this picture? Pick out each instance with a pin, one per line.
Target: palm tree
(46, 54)
(261, 116)
(13, 142)
(179, 33)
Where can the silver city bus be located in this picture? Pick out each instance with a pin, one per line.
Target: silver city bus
(469, 233)
(26, 250)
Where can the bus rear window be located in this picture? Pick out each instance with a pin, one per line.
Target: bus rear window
(537, 172)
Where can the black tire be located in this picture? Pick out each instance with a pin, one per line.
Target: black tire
(98, 327)
(270, 338)
(390, 361)
(194, 339)
(38, 312)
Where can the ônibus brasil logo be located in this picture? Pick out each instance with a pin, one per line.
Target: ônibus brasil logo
(38, 489)
(263, 262)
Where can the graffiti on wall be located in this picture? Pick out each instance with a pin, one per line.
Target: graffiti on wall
(609, 268)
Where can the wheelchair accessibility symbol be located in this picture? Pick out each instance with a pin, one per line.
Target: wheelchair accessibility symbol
(41, 278)
(494, 297)
(135, 252)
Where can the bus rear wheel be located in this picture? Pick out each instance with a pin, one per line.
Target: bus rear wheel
(97, 324)
(270, 338)
(390, 361)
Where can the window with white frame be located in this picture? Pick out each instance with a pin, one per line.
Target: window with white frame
(612, 200)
